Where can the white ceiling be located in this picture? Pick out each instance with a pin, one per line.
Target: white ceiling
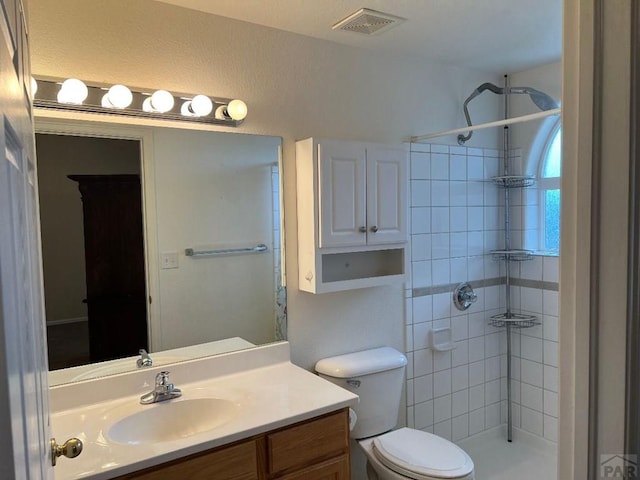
(502, 36)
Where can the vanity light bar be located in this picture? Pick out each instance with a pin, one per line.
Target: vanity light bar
(75, 95)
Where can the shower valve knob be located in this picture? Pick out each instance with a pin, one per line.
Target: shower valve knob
(464, 296)
(374, 229)
(363, 229)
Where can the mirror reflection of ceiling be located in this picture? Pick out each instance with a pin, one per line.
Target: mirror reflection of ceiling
(495, 35)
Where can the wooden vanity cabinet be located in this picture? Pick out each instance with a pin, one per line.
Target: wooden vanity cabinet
(316, 449)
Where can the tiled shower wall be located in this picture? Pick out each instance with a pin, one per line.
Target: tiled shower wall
(456, 218)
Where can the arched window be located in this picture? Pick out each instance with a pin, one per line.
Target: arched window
(549, 187)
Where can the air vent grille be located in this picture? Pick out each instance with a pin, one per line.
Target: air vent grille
(368, 22)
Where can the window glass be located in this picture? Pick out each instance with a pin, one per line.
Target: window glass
(552, 219)
(553, 158)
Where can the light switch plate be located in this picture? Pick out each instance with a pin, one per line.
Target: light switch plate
(169, 260)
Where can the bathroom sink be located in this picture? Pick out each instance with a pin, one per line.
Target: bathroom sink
(172, 420)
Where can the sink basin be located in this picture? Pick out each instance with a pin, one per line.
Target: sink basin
(172, 420)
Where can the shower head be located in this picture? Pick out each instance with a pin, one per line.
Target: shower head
(543, 101)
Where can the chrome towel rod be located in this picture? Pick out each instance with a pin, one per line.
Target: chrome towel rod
(190, 252)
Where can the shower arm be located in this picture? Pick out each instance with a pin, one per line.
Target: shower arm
(540, 99)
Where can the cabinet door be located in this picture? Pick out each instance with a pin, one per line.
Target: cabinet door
(334, 469)
(342, 194)
(386, 195)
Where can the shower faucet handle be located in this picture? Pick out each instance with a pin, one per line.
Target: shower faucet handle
(464, 296)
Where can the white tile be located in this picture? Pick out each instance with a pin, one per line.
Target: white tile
(476, 349)
(441, 361)
(459, 272)
(531, 372)
(440, 220)
(458, 167)
(411, 423)
(551, 378)
(420, 193)
(458, 194)
(492, 392)
(439, 166)
(409, 368)
(551, 353)
(458, 150)
(491, 297)
(410, 392)
(476, 397)
(422, 308)
(443, 429)
(441, 305)
(460, 327)
(490, 152)
(550, 269)
(491, 368)
(460, 402)
(476, 373)
(460, 427)
(550, 328)
(442, 409)
(475, 194)
(492, 218)
(420, 166)
(491, 195)
(408, 337)
(531, 348)
(458, 219)
(550, 302)
(420, 147)
(420, 220)
(531, 397)
(442, 383)
(421, 274)
(421, 335)
(423, 413)
(531, 300)
(476, 324)
(422, 362)
(460, 356)
(423, 388)
(440, 272)
(532, 270)
(458, 243)
(550, 400)
(475, 218)
(438, 148)
(491, 268)
(439, 193)
(475, 267)
(550, 428)
(491, 345)
(420, 247)
(408, 310)
(440, 244)
(459, 378)
(476, 421)
(475, 168)
(492, 415)
(531, 421)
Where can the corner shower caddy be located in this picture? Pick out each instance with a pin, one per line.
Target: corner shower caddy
(508, 319)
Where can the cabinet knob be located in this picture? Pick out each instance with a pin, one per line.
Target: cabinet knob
(363, 229)
(70, 449)
(374, 229)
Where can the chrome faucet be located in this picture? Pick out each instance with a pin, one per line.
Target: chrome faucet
(144, 360)
(163, 391)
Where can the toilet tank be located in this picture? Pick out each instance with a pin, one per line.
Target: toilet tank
(376, 376)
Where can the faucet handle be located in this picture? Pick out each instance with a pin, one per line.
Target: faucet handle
(162, 379)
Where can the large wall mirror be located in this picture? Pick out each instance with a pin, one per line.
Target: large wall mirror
(157, 238)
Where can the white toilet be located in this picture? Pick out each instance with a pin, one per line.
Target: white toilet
(376, 376)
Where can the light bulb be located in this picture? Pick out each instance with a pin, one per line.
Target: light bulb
(105, 101)
(201, 105)
(161, 101)
(34, 87)
(119, 96)
(73, 91)
(237, 109)
(185, 109)
(146, 105)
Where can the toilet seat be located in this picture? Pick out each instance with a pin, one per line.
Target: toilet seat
(421, 456)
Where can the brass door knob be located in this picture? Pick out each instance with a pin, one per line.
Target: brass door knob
(70, 449)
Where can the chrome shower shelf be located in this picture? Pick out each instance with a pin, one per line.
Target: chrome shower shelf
(516, 320)
(513, 255)
(514, 181)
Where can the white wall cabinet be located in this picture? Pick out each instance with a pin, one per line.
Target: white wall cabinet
(352, 214)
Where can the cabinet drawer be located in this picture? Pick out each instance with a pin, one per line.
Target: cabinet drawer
(302, 445)
(239, 462)
(334, 469)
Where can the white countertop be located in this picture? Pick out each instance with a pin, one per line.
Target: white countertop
(268, 396)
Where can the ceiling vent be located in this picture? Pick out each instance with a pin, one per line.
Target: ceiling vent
(368, 22)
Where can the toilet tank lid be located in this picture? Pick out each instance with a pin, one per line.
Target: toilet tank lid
(361, 363)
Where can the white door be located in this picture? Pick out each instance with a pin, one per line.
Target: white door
(386, 195)
(342, 191)
(24, 409)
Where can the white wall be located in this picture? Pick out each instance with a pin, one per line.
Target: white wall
(214, 190)
(61, 212)
(295, 87)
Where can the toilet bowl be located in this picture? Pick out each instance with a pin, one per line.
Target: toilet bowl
(377, 377)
